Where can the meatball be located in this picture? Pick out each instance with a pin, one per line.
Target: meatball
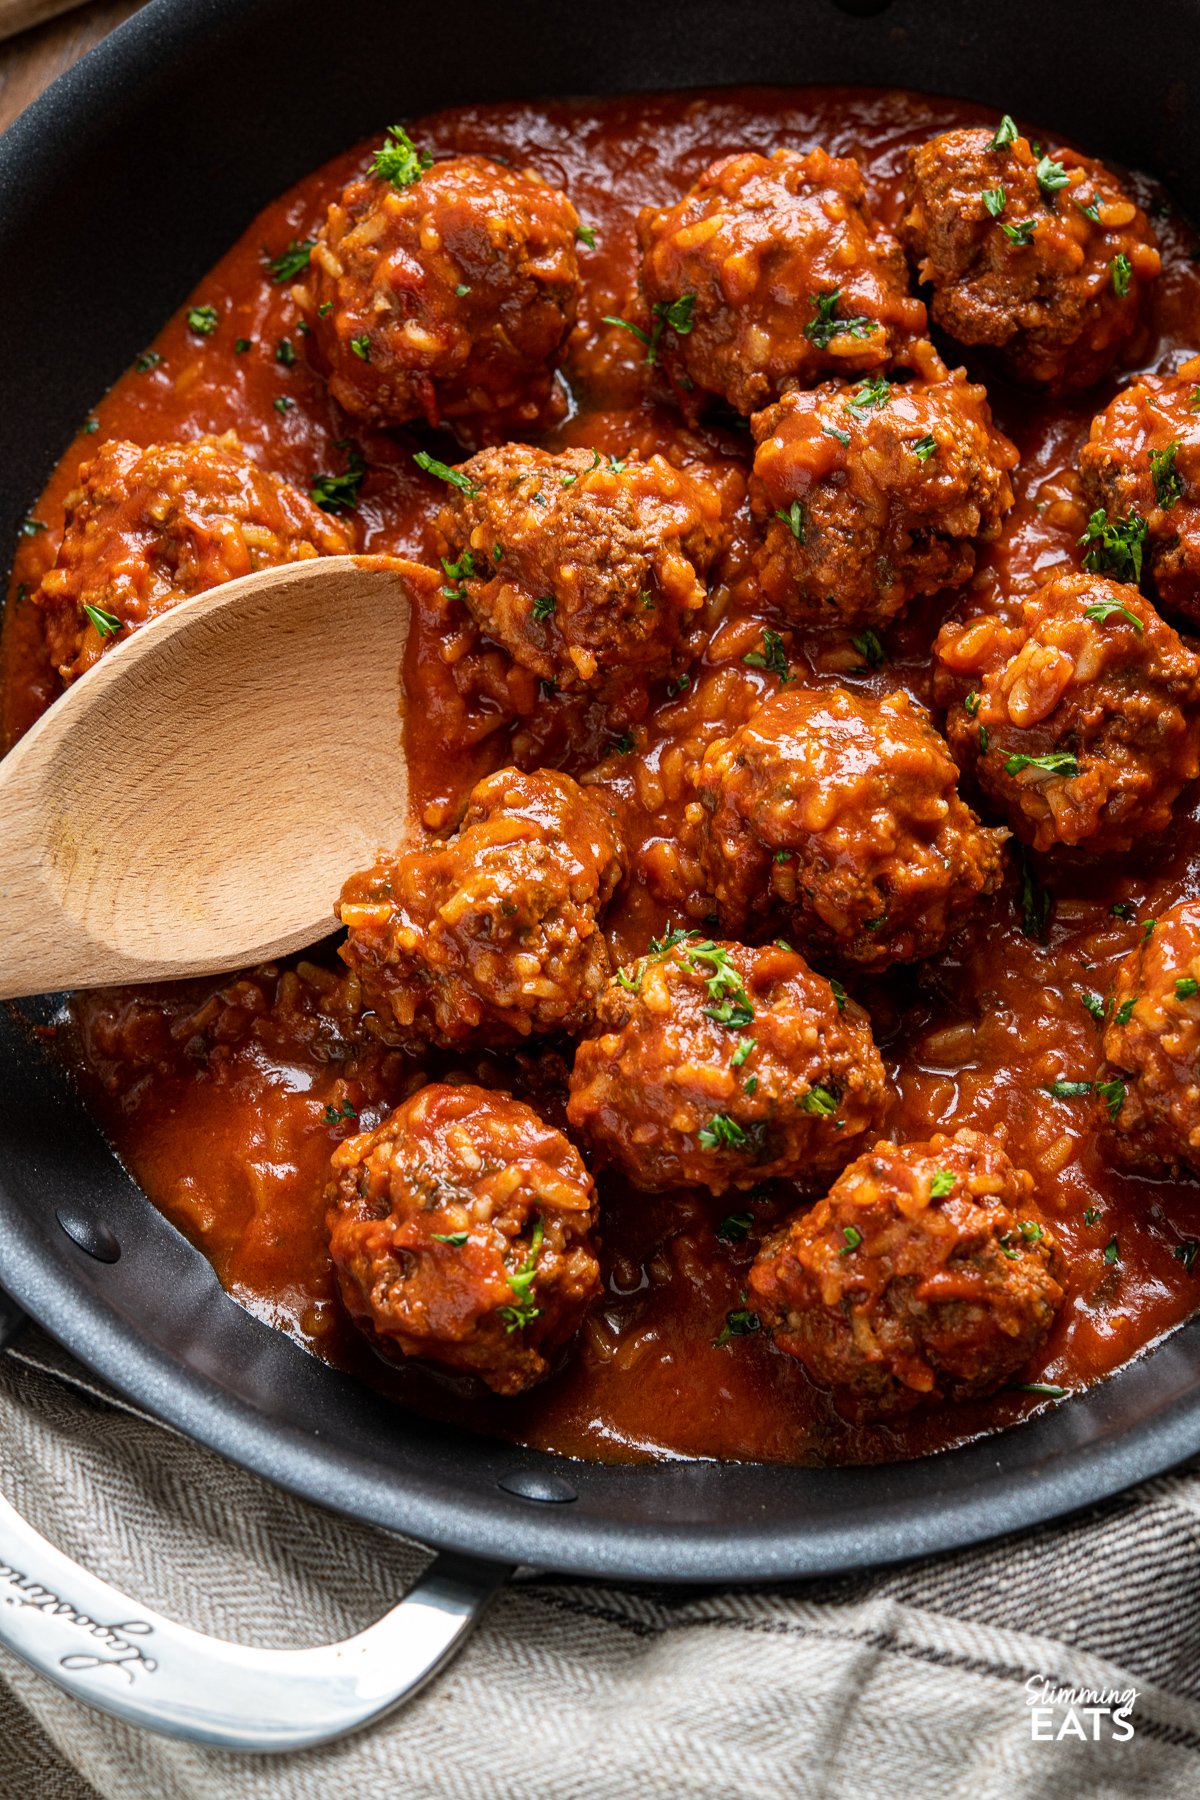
(926, 1272)
(442, 293)
(1142, 464)
(460, 1232)
(720, 1066)
(490, 937)
(871, 495)
(1044, 257)
(146, 528)
(772, 269)
(1148, 1094)
(1081, 720)
(837, 817)
(586, 570)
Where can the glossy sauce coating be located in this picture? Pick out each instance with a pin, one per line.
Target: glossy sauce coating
(226, 1099)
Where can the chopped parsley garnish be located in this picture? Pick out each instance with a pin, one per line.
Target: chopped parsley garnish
(149, 359)
(819, 1100)
(1030, 1230)
(1148, 929)
(733, 1014)
(203, 320)
(31, 527)
(983, 740)
(324, 309)
(832, 431)
(839, 994)
(995, 199)
(1121, 909)
(90, 425)
(1090, 210)
(1121, 270)
(624, 744)
(1186, 1253)
(672, 315)
(398, 160)
(106, 623)
(680, 685)
(869, 396)
(462, 570)
(1124, 1012)
(240, 346)
(1035, 901)
(632, 983)
(739, 1323)
(674, 934)
(1112, 1251)
(1047, 1389)
(782, 856)
(971, 704)
(444, 472)
(1115, 546)
(1095, 1006)
(457, 1238)
(745, 1048)
(941, 1184)
(462, 290)
(793, 518)
(335, 1114)
(523, 1312)
(734, 1227)
(586, 234)
(288, 264)
(283, 403)
(924, 447)
(570, 480)
(338, 493)
(1069, 1090)
(1103, 610)
(1113, 1095)
(722, 1133)
(361, 346)
(1006, 133)
(543, 606)
(1054, 762)
(772, 657)
(1050, 176)
(1091, 1215)
(1168, 482)
(853, 1237)
(825, 325)
(285, 352)
(1186, 987)
(1020, 231)
(870, 647)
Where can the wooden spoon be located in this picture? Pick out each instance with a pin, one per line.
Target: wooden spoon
(195, 801)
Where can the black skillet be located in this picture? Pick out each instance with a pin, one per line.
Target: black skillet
(117, 190)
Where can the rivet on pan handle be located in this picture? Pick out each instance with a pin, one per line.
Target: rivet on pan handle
(111, 1653)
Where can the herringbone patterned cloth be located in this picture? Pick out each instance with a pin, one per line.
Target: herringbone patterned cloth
(910, 1685)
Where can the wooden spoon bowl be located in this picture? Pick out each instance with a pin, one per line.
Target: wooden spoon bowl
(194, 802)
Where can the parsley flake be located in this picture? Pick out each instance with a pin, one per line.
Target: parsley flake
(398, 160)
(288, 264)
(203, 320)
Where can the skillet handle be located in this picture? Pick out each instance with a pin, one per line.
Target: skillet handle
(111, 1653)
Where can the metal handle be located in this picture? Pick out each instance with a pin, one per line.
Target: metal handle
(111, 1653)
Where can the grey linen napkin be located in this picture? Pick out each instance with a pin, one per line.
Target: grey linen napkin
(906, 1685)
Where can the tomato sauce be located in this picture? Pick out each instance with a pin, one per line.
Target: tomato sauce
(224, 1098)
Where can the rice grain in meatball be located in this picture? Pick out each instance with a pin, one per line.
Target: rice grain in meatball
(447, 296)
(836, 817)
(1141, 468)
(460, 1231)
(926, 1272)
(1081, 720)
(1148, 1093)
(586, 569)
(1044, 257)
(770, 270)
(719, 1066)
(148, 527)
(869, 495)
(492, 936)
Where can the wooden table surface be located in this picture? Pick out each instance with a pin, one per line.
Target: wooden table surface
(30, 61)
